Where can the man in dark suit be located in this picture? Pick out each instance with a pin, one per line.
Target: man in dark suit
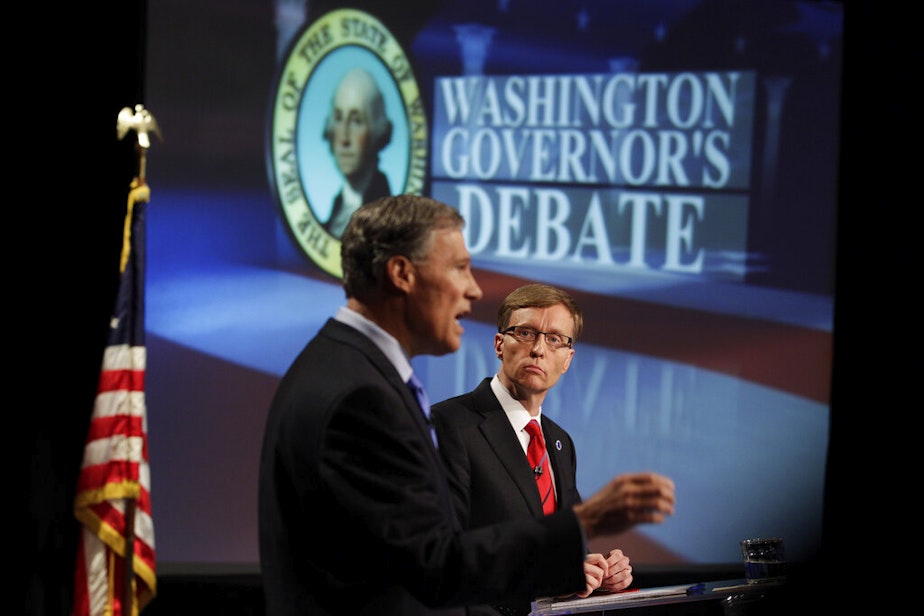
(355, 510)
(357, 130)
(484, 442)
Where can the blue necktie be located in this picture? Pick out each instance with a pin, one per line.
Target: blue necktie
(420, 393)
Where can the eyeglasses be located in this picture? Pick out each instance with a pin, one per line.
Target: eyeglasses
(528, 334)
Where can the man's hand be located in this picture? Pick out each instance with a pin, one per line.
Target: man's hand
(595, 570)
(619, 572)
(627, 500)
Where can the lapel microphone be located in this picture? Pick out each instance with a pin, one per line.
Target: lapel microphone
(537, 470)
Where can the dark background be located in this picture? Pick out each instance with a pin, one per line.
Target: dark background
(72, 210)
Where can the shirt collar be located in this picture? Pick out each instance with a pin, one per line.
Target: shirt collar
(387, 343)
(516, 412)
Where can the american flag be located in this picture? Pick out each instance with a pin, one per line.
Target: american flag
(113, 502)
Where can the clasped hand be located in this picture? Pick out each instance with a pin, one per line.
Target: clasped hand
(611, 572)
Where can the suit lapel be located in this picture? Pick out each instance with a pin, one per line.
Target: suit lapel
(506, 445)
(557, 445)
(349, 335)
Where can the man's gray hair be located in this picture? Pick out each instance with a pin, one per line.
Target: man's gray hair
(387, 227)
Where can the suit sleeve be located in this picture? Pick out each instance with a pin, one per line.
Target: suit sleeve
(458, 464)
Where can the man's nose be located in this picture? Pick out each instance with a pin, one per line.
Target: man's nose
(474, 290)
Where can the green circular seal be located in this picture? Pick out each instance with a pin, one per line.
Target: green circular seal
(347, 125)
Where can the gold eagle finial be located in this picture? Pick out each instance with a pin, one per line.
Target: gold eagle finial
(141, 121)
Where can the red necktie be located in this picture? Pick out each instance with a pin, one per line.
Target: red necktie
(539, 461)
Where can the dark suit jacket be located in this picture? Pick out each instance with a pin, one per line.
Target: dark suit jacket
(355, 511)
(377, 188)
(490, 476)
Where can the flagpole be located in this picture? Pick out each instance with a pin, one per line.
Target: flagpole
(128, 590)
(142, 122)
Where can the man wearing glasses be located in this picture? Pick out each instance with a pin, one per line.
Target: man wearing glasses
(484, 440)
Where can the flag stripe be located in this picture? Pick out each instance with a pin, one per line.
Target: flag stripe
(97, 575)
(119, 403)
(122, 426)
(124, 357)
(121, 380)
(116, 450)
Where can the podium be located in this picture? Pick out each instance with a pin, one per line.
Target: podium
(727, 597)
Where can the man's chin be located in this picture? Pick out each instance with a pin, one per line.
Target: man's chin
(445, 347)
(347, 166)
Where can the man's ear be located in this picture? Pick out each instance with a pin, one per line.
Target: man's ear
(401, 273)
(567, 363)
